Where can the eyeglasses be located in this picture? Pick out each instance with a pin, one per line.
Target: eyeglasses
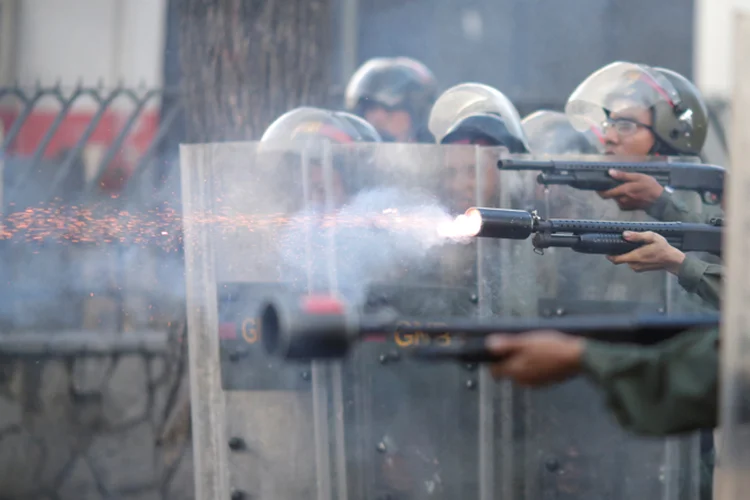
(623, 126)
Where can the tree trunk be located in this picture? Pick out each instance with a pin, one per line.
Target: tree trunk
(245, 62)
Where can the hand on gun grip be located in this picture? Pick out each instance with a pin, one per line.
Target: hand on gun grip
(637, 191)
(655, 254)
(536, 358)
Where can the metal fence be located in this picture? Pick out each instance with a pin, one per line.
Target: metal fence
(21, 104)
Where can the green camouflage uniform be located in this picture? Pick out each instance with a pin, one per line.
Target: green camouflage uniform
(658, 390)
(665, 389)
(673, 387)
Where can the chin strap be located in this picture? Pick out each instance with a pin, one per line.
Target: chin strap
(661, 148)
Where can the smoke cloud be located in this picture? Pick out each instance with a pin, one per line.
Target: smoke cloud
(381, 233)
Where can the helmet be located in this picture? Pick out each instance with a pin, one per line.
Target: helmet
(694, 109)
(394, 83)
(550, 133)
(486, 127)
(304, 133)
(479, 102)
(307, 125)
(680, 118)
(365, 131)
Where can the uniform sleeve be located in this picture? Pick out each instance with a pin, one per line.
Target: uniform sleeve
(702, 278)
(665, 389)
(668, 209)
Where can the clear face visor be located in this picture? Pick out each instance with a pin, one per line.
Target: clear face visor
(365, 131)
(615, 89)
(541, 121)
(303, 127)
(552, 131)
(467, 99)
(357, 81)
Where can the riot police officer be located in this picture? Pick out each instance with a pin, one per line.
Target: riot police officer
(649, 111)
(480, 115)
(395, 96)
(642, 111)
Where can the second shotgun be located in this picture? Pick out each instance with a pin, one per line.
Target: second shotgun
(584, 236)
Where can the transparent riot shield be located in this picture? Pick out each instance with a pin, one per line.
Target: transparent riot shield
(359, 221)
(410, 429)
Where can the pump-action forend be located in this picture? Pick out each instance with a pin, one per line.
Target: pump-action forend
(706, 180)
(584, 236)
(303, 328)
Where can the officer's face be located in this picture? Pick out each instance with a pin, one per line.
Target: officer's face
(396, 123)
(627, 132)
(459, 180)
